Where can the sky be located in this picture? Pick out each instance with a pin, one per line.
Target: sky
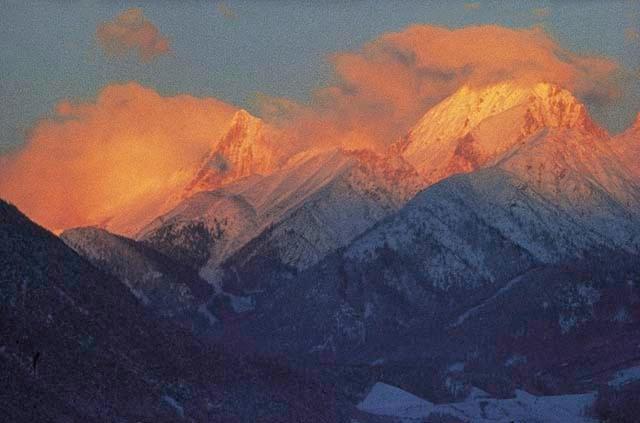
(238, 51)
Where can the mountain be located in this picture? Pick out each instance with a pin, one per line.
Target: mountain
(317, 202)
(170, 289)
(495, 247)
(77, 346)
(203, 227)
(474, 126)
(367, 188)
(538, 250)
(246, 149)
(558, 198)
(299, 217)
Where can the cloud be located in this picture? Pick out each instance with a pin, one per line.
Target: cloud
(226, 11)
(541, 12)
(472, 6)
(131, 33)
(381, 89)
(631, 34)
(119, 157)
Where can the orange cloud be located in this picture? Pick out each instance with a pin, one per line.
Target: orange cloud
(472, 6)
(226, 11)
(114, 160)
(631, 34)
(131, 33)
(384, 87)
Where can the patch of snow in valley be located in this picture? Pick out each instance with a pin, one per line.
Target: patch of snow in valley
(387, 400)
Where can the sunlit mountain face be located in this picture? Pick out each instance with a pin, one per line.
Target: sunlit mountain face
(444, 227)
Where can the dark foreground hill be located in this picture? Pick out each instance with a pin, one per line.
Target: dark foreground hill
(77, 346)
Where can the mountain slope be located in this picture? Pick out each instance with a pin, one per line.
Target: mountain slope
(61, 309)
(561, 197)
(76, 346)
(206, 226)
(314, 204)
(367, 188)
(168, 288)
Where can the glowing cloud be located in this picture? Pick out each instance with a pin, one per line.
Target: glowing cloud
(131, 33)
(226, 11)
(631, 34)
(113, 161)
(384, 87)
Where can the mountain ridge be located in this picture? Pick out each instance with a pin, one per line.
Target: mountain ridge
(244, 150)
(475, 126)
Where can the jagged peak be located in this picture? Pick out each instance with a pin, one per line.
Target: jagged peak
(244, 128)
(244, 118)
(537, 105)
(476, 125)
(245, 149)
(468, 106)
(547, 90)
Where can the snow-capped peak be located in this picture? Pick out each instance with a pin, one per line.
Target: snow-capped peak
(245, 149)
(244, 127)
(475, 125)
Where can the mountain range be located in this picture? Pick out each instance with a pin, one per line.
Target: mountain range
(494, 247)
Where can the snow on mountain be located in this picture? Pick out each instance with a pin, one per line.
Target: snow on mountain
(206, 226)
(387, 400)
(559, 196)
(582, 176)
(171, 290)
(209, 226)
(306, 225)
(556, 195)
(549, 190)
(316, 203)
(476, 125)
(246, 149)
